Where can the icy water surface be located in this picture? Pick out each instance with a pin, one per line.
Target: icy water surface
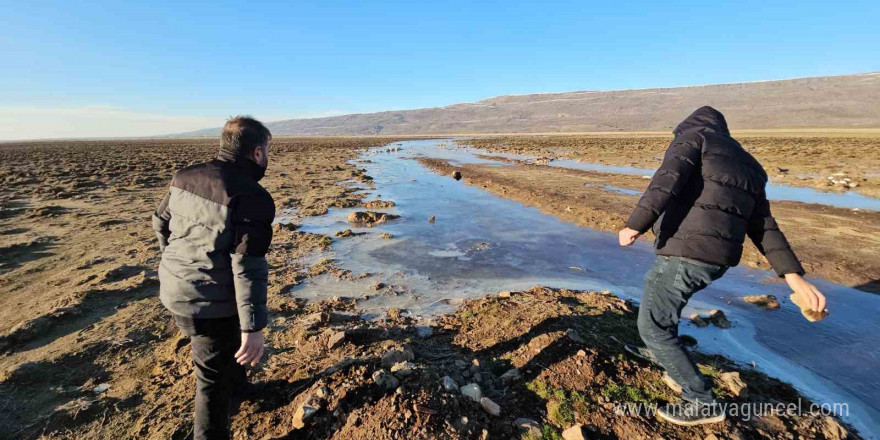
(848, 199)
(480, 243)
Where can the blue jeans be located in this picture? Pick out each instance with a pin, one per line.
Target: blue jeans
(668, 286)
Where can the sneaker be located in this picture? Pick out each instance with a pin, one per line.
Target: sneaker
(642, 353)
(688, 413)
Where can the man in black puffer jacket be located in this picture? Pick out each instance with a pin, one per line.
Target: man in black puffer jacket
(707, 196)
(214, 228)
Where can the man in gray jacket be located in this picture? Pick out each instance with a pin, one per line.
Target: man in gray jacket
(214, 228)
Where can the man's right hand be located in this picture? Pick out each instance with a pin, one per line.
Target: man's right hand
(808, 292)
(627, 236)
(251, 350)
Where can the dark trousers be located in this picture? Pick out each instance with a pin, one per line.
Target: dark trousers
(668, 286)
(214, 343)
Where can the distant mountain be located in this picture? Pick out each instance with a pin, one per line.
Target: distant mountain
(848, 101)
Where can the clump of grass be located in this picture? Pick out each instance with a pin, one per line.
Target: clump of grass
(615, 392)
(563, 406)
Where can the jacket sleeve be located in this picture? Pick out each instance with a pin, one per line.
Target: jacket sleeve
(252, 222)
(161, 219)
(681, 159)
(770, 241)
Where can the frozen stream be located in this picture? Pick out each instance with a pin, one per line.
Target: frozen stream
(481, 243)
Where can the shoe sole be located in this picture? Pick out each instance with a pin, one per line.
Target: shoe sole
(715, 419)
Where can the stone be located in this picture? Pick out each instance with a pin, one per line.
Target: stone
(808, 313)
(473, 391)
(490, 407)
(688, 340)
(765, 301)
(698, 320)
(718, 319)
(529, 428)
(336, 339)
(510, 375)
(424, 331)
(449, 384)
(403, 368)
(832, 430)
(305, 412)
(574, 336)
(456, 175)
(396, 355)
(460, 364)
(370, 218)
(100, 388)
(504, 294)
(385, 379)
(733, 383)
(671, 383)
(575, 432)
(582, 353)
(432, 219)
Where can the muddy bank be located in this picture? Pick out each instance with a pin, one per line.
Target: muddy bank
(828, 163)
(840, 245)
(78, 284)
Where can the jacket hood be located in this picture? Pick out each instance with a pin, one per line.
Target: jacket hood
(705, 118)
(247, 166)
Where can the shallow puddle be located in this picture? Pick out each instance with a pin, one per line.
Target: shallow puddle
(479, 243)
(848, 199)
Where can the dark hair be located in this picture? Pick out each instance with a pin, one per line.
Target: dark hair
(242, 134)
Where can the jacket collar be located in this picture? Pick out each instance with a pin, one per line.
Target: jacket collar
(244, 165)
(704, 119)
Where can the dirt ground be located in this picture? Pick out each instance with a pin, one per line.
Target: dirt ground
(790, 160)
(88, 352)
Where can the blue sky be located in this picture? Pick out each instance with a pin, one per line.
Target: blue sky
(101, 68)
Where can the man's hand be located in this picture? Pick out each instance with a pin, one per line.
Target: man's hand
(251, 348)
(808, 292)
(627, 236)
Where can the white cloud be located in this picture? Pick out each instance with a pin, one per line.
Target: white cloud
(19, 123)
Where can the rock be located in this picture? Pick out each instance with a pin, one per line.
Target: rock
(385, 379)
(671, 383)
(396, 355)
(718, 319)
(582, 353)
(424, 331)
(336, 339)
(322, 392)
(575, 432)
(386, 236)
(305, 412)
(490, 407)
(734, 384)
(100, 388)
(449, 384)
(370, 218)
(698, 320)
(688, 341)
(510, 375)
(473, 391)
(403, 368)
(379, 204)
(574, 336)
(808, 313)
(832, 430)
(456, 175)
(432, 219)
(529, 428)
(766, 301)
(460, 364)
(504, 294)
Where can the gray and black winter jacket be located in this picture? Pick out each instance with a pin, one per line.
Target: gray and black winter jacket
(707, 196)
(214, 228)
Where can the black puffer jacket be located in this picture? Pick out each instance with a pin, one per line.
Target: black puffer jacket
(708, 194)
(214, 228)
